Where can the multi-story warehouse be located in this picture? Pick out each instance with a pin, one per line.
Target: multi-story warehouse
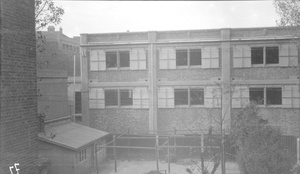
(187, 80)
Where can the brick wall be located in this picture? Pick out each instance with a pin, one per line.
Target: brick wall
(18, 119)
(119, 120)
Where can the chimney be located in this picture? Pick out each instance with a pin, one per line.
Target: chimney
(61, 30)
(51, 28)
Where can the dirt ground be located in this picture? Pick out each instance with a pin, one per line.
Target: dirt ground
(145, 167)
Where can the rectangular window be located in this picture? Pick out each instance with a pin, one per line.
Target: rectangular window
(257, 55)
(189, 97)
(195, 57)
(126, 97)
(117, 59)
(111, 59)
(268, 96)
(181, 58)
(181, 97)
(188, 57)
(98, 146)
(197, 96)
(77, 102)
(118, 97)
(257, 95)
(265, 55)
(274, 96)
(82, 155)
(272, 55)
(124, 58)
(111, 97)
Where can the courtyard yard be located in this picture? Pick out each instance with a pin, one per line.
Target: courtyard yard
(145, 167)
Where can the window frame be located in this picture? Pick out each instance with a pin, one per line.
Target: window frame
(96, 147)
(82, 154)
(265, 64)
(265, 87)
(119, 98)
(189, 88)
(118, 53)
(188, 50)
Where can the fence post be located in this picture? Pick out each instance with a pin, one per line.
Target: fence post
(298, 150)
(169, 168)
(157, 154)
(115, 154)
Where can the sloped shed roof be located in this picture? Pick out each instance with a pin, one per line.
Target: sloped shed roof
(71, 135)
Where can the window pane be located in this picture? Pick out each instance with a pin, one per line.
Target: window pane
(181, 57)
(111, 97)
(274, 96)
(77, 102)
(197, 96)
(111, 59)
(181, 96)
(272, 55)
(126, 97)
(257, 55)
(195, 57)
(124, 59)
(257, 95)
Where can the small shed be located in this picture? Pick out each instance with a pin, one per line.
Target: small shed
(72, 148)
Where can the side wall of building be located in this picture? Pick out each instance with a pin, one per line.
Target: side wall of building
(18, 116)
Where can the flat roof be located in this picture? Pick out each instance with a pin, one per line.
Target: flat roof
(71, 135)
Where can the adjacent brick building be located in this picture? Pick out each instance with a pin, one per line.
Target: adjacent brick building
(18, 100)
(186, 80)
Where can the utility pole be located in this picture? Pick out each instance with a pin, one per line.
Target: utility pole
(74, 92)
(226, 90)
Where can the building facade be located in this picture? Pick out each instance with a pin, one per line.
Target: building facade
(56, 51)
(189, 80)
(18, 100)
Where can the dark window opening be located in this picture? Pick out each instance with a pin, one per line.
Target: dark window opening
(77, 102)
(126, 97)
(274, 96)
(124, 59)
(111, 97)
(181, 96)
(181, 58)
(197, 96)
(195, 57)
(257, 95)
(272, 55)
(111, 59)
(257, 55)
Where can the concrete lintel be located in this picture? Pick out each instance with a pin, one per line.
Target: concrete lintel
(267, 82)
(189, 83)
(118, 84)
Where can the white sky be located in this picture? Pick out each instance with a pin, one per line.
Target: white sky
(120, 16)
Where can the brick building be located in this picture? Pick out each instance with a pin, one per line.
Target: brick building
(18, 100)
(165, 80)
(56, 51)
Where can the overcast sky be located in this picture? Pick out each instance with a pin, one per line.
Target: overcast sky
(121, 16)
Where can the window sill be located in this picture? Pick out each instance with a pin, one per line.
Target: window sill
(181, 106)
(197, 106)
(182, 67)
(272, 65)
(274, 106)
(124, 68)
(126, 107)
(112, 69)
(195, 66)
(111, 107)
(80, 162)
(257, 65)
